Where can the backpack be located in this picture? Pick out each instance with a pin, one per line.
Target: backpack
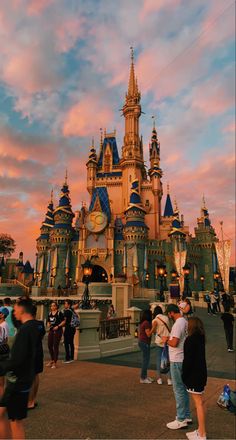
(75, 322)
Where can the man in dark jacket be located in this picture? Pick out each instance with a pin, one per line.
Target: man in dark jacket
(20, 371)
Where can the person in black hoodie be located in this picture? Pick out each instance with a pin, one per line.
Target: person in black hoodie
(194, 372)
(20, 372)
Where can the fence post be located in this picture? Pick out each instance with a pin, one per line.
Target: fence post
(87, 337)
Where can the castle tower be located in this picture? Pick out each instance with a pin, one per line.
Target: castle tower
(205, 239)
(132, 151)
(43, 247)
(60, 239)
(155, 174)
(135, 235)
(91, 169)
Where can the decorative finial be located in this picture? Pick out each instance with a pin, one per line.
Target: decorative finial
(51, 196)
(132, 54)
(93, 142)
(176, 205)
(101, 137)
(66, 176)
(154, 122)
(203, 202)
(168, 188)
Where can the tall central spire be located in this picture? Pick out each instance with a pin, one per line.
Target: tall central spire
(133, 94)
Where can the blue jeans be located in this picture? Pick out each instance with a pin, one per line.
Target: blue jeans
(145, 349)
(159, 351)
(180, 392)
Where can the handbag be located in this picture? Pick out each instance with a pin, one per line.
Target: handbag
(4, 349)
(165, 361)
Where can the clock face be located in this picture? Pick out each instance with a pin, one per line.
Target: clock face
(96, 221)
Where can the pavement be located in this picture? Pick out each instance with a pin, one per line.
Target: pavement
(103, 399)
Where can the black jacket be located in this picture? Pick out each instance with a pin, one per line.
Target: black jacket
(194, 372)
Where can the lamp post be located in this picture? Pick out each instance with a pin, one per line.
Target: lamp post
(186, 271)
(147, 279)
(87, 272)
(165, 283)
(161, 271)
(174, 275)
(216, 279)
(202, 278)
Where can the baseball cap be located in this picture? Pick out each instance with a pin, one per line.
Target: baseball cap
(172, 308)
(4, 311)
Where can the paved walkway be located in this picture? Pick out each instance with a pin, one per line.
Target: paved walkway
(97, 400)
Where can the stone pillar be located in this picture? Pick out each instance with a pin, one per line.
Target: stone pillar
(35, 291)
(121, 295)
(87, 337)
(134, 312)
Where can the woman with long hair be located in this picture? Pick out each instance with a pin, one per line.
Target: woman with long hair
(194, 373)
(160, 328)
(144, 340)
(55, 323)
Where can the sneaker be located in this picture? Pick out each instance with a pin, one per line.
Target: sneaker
(189, 421)
(159, 381)
(53, 366)
(151, 379)
(176, 424)
(169, 382)
(145, 380)
(194, 435)
(49, 364)
(230, 350)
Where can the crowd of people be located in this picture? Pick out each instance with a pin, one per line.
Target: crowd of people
(180, 336)
(22, 357)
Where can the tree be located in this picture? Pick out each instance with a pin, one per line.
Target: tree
(7, 245)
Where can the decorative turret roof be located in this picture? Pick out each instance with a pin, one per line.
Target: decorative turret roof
(48, 222)
(204, 219)
(135, 199)
(100, 198)
(109, 140)
(28, 268)
(154, 154)
(63, 209)
(92, 154)
(168, 211)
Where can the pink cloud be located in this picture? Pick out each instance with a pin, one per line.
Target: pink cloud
(36, 7)
(230, 128)
(152, 6)
(87, 116)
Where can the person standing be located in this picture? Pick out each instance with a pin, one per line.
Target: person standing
(144, 341)
(160, 328)
(55, 323)
(195, 372)
(175, 342)
(69, 332)
(19, 370)
(208, 301)
(228, 320)
(213, 303)
(38, 362)
(4, 347)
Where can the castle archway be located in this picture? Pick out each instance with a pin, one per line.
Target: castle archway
(99, 275)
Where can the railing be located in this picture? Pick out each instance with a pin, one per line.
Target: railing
(114, 328)
(18, 283)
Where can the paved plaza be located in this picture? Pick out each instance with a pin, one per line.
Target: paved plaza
(104, 400)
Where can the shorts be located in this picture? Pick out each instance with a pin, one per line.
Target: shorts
(16, 404)
(196, 390)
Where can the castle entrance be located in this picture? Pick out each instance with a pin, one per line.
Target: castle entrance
(99, 275)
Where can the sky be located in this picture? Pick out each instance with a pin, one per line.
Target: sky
(64, 68)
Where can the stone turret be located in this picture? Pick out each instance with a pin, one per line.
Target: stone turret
(43, 246)
(60, 238)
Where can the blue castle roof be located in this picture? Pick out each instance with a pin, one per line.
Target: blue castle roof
(168, 211)
(114, 149)
(102, 194)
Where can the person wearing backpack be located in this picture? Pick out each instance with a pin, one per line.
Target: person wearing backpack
(69, 331)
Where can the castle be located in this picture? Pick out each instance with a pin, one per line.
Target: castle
(124, 232)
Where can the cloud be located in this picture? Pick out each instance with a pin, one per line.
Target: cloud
(87, 116)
